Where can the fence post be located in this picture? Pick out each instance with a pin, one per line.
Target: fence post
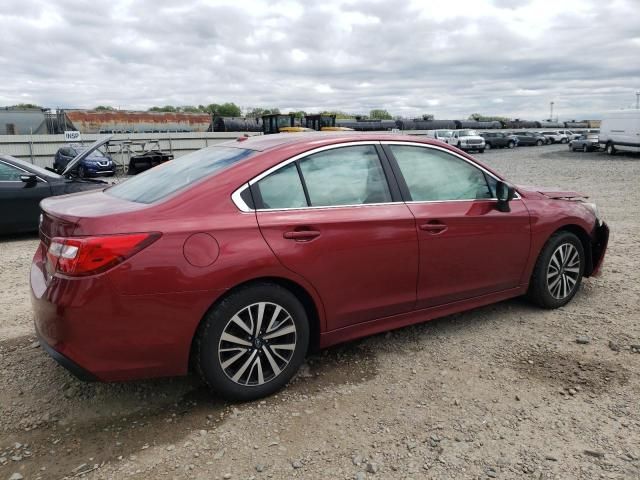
(31, 144)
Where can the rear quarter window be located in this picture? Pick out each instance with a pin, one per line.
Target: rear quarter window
(161, 181)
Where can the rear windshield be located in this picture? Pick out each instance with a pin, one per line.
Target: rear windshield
(163, 180)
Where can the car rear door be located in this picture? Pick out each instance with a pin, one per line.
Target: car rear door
(467, 247)
(335, 217)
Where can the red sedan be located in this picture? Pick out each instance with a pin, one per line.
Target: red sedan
(239, 258)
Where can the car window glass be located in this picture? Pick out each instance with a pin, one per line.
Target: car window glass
(434, 175)
(170, 177)
(282, 189)
(9, 173)
(345, 176)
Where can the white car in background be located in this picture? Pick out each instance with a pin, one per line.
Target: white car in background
(468, 140)
(570, 135)
(445, 136)
(620, 131)
(556, 137)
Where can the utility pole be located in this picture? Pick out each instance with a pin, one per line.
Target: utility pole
(551, 112)
(638, 100)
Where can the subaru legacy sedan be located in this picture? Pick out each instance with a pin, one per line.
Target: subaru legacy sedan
(236, 260)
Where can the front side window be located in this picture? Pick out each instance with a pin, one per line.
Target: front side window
(345, 176)
(9, 173)
(434, 175)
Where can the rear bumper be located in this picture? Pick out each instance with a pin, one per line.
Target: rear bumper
(97, 333)
(67, 363)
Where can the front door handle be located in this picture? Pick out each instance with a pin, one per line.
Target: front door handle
(433, 228)
(301, 235)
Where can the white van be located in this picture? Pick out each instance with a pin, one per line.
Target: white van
(620, 131)
(443, 135)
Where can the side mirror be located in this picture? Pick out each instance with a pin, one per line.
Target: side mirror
(29, 179)
(504, 193)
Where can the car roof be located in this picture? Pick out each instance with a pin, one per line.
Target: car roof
(262, 143)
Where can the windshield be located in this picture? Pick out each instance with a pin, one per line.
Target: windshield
(444, 133)
(167, 178)
(468, 133)
(34, 168)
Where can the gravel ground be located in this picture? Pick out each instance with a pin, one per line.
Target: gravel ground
(505, 391)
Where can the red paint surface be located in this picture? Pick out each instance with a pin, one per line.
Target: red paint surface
(368, 270)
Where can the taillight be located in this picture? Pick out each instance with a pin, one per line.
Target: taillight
(79, 256)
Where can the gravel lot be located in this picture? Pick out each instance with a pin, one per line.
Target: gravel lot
(505, 391)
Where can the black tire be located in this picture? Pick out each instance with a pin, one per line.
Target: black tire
(82, 173)
(539, 143)
(563, 140)
(487, 146)
(585, 149)
(481, 150)
(540, 292)
(208, 356)
(610, 149)
(511, 144)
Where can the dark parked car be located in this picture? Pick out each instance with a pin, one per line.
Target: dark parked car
(499, 140)
(22, 187)
(239, 258)
(96, 164)
(586, 143)
(145, 161)
(530, 138)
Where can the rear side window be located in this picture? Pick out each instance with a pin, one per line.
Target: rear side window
(341, 176)
(170, 177)
(282, 189)
(345, 176)
(434, 175)
(9, 173)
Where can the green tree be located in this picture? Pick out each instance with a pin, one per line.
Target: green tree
(104, 108)
(258, 111)
(229, 109)
(427, 117)
(338, 114)
(299, 114)
(379, 114)
(189, 109)
(25, 106)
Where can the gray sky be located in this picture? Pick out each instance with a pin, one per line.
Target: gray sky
(448, 58)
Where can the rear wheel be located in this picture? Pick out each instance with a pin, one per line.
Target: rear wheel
(252, 343)
(82, 172)
(564, 140)
(511, 144)
(539, 143)
(487, 146)
(585, 149)
(481, 150)
(610, 149)
(558, 271)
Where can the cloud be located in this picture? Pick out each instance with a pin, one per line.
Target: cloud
(497, 57)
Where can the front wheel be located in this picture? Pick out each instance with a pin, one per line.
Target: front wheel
(511, 144)
(252, 343)
(539, 143)
(558, 271)
(585, 149)
(481, 150)
(82, 172)
(487, 146)
(564, 140)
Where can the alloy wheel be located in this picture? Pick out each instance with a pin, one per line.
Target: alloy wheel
(257, 344)
(563, 271)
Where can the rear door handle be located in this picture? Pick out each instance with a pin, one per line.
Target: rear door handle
(433, 228)
(301, 235)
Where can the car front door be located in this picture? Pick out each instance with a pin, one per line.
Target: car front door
(19, 201)
(335, 218)
(467, 247)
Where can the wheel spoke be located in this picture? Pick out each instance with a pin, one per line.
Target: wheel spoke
(283, 346)
(282, 331)
(238, 321)
(227, 337)
(233, 359)
(242, 369)
(272, 362)
(274, 319)
(261, 306)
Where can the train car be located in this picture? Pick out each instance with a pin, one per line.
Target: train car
(367, 125)
(517, 123)
(476, 125)
(548, 124)
(574, 124)
(237, 124)
(419, 124)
